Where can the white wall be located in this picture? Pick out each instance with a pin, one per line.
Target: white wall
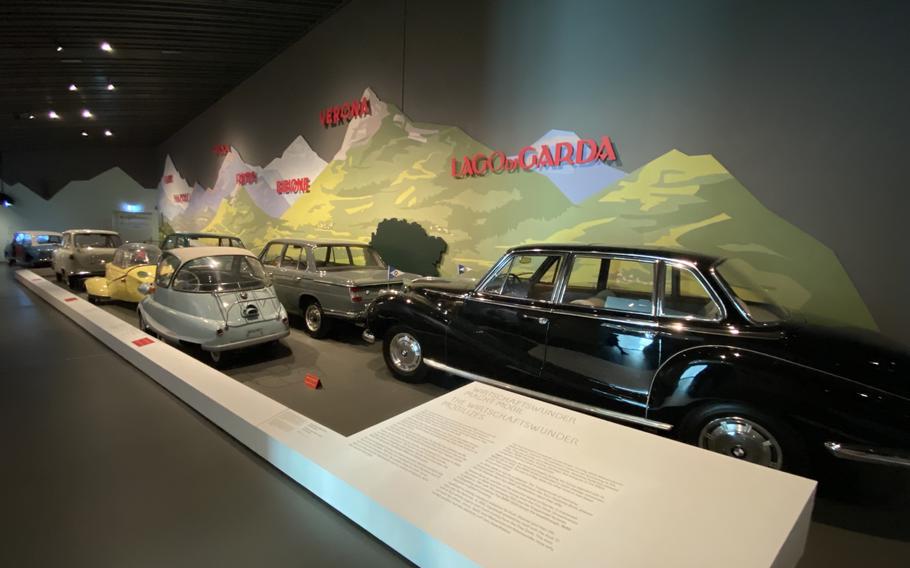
(80, 204)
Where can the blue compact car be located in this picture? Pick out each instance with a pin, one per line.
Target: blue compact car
(32, 248)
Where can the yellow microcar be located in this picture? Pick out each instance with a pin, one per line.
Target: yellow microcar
(133, 265)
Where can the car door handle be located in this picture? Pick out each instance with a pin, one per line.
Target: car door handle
(540, 320)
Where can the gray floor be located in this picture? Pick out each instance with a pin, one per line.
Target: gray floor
(102, 467)
(147, 494)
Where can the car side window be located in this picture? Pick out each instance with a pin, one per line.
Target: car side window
(292, 257)
(271, 256)
(118, 258)
(684, 296)
(528, 276)
(166, 267)
(620, 284)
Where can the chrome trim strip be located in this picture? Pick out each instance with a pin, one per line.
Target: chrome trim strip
(868, 454)
(550, 398)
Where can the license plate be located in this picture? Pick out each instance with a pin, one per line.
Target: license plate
(254, 333)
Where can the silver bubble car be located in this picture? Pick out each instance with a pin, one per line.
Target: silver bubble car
(216, 298)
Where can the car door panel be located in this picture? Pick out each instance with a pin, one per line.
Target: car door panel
(603, 347)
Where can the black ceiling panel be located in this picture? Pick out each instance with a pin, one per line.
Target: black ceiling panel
(170, 60)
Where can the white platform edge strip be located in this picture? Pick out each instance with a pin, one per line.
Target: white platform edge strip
(241, 412)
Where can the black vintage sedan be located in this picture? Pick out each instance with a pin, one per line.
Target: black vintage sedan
(677, 343)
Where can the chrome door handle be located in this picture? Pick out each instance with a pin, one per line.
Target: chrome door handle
(541, 321)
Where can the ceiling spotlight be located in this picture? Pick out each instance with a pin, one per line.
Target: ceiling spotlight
(108, 133)
(105, 46)
(84, 133)
(73, 87)
(86, 113)
(110, 87)
(59, 48)
(31, 117)
(53, 115)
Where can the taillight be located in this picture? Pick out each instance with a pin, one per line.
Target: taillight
(355, 294)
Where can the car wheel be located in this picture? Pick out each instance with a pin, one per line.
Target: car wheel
(746, 434)
(11, 261)
(72, 282)
(58, 276)
(92, 299)
(314, 321)
(403, 355)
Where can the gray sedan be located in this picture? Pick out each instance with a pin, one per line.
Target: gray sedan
(325, 280)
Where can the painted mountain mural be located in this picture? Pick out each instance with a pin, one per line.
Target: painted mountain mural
(390, 167)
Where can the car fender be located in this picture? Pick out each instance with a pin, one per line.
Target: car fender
(416, 311)
(819, 404)
(97, 286)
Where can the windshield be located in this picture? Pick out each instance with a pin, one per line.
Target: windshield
(347, 256)
(48, 239)
(138, 254)
(740, 278)
(220, 274)
(98, 240)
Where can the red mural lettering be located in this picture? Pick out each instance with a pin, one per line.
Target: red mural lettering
(296, 185)
(564, 158)
(530, 157)
(169, 178)
(346, 112)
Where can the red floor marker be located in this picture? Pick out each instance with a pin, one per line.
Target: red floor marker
(312, 381)
(70, 299)
(143, 341)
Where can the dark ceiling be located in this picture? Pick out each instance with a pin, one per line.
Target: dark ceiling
(170, 60)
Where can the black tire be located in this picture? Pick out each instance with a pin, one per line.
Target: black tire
(58, 276)
(218, 359)
(709, 427)
(315, 323)
(72, 282)
(405, 363)
(92, 299)
(11, 261)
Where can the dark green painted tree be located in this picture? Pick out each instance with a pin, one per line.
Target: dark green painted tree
(408, 247)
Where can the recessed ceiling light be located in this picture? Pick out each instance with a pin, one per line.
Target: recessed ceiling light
(59, 48)
(110, 87)
(105, 46)
(31, 117)
(108, 133)
(53, 115)
(73, 87)
(86, 113)
(84, 133)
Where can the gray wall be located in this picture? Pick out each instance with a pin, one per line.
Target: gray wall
(805, 103)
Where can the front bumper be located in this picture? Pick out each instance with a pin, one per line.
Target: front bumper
(869, 454)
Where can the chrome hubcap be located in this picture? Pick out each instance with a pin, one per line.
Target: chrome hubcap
(743, 439)
(313, 317)
(405, 353)
(215, 355)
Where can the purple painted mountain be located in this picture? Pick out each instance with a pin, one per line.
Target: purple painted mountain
(578, 182)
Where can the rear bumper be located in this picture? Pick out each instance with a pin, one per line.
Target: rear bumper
(247, 342)
(869, 454)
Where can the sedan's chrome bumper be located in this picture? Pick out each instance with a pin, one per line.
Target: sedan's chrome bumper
(869, 454)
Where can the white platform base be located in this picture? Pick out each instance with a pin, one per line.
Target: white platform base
(481, 476)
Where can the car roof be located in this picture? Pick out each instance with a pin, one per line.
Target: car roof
(198, 235)
(643, 250)
(139, 245)
(91, 232)
(186, 254)
(38, 233)
(317, 242)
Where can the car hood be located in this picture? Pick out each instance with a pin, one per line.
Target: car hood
(861, 355)
(459, 285)
(366, 276)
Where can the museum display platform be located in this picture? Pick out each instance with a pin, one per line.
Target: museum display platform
(343, 346)
(479, 475)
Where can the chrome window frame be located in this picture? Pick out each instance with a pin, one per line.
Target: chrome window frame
(653, 260)
(557, 279)
(706, 284)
